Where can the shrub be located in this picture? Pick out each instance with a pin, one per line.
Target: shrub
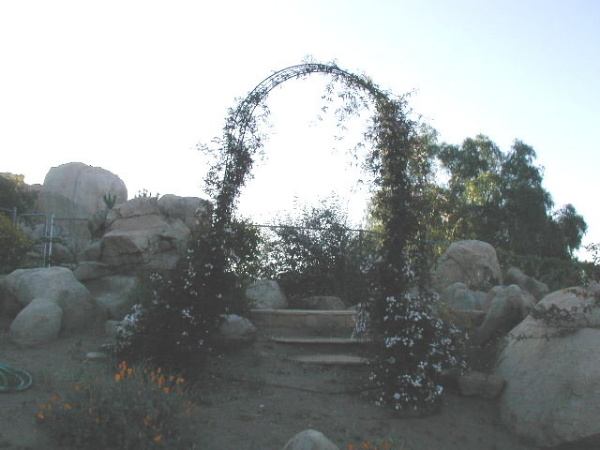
(13, 245)
(317, 254)
(414, 349)
(174, 320)
(136, 408)
(14, 193)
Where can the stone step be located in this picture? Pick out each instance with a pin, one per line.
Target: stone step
(317, 340)
(299, 318)
(331, 360)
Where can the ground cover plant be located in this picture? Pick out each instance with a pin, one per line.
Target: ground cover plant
(137, 407)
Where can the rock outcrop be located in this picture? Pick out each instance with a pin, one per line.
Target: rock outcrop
(459, 296)
(266, 294)
(137, 238)
(505, 307)
(551, 370)
(76, 191)
(527, 283)
(473, 263)
(46, 301)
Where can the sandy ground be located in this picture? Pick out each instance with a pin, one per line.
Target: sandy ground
(255, 398)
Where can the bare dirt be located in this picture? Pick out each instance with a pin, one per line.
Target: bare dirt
(255, 398)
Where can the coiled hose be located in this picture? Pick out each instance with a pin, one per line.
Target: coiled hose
(12, 380)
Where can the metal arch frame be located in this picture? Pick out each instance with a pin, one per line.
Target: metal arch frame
(238, 121)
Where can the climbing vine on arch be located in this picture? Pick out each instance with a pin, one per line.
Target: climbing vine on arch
(399, 166)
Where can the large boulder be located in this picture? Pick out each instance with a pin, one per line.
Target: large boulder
(459, 296)
(36, 289)
(310, 440)
(139, 238)
(473, 263)
(76, 191)
(39, 323)
(192, 211)
(114, 293)
(266, 294)
(505, 307)
(530, 284)
(552, 372)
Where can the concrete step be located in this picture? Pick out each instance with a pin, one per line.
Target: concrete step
(317, 340)
(331, 360)
(299, 318)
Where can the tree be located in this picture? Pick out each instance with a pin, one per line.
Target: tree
(499, 198)
(14, 193)
(571, 227)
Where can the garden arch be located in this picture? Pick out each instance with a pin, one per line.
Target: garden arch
(396, 160)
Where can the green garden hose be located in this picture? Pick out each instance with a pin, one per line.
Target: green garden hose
(12, 380)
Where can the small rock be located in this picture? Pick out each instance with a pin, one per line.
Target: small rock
(310, 440)
(96, 356)
(237, 330)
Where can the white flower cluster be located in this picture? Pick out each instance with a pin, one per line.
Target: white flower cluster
(417, 348)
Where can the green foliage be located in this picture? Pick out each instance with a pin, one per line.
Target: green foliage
(109, 200)
(136, 408)
(592, 268)
(316, 253)
(178, 312)
(145, 193)
(414, 348)
(13, 245)
(245, 259)
(498, 198)
(555, 272)
(14, 193)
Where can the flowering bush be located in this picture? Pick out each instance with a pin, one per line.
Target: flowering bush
(175, 316)
(135, 408)
(415, 348)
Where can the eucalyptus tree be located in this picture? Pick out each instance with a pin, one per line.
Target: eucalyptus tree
(499, 198)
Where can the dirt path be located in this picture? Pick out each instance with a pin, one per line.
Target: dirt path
(253, 398)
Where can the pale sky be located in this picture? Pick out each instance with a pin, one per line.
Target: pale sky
(132, 86)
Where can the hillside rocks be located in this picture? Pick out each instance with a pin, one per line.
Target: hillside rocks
(75, 191)
(114, 294)
(192, 211)
(144, 234)
(527, 283)
(459, 296)
(35, 296)
(505, 307)
(473, 263)
(553, 373)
